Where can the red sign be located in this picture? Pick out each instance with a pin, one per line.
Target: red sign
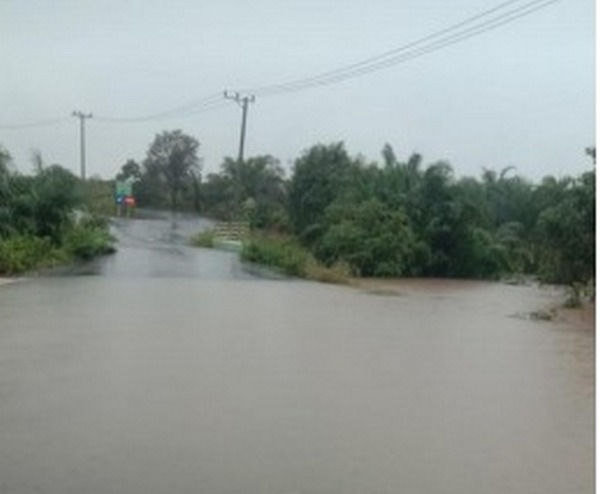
(129, 201)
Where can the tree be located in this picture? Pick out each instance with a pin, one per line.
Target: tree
(566, 234)
(172, 159)
(37, 160)
(39, 205)
(318, 179)
(398, 184)
(253, 189)
(5, 162)
(131, 169)
(257, 185)
(591, 152)
(371, 238)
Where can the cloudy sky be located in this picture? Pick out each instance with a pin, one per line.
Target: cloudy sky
(522, 94)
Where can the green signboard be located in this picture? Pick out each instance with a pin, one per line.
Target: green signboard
(123, 188)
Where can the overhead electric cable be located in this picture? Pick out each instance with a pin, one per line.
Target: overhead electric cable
(217, 105)
(497, 16)
(433, 42)
(31, 125)
(417, 53)
(205, 104)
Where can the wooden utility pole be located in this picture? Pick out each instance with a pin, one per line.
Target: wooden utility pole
(82, 117)
(243, 101)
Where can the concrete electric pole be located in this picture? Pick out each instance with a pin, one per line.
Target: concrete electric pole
(82, 117)
(243, 102)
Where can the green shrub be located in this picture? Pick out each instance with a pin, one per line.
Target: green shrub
(89, 238)
(280, 253)
(25, 252)
(372, 239)
(204, 239)
(287, 256)
(339, 272)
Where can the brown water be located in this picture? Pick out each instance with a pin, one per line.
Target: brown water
(175, 384)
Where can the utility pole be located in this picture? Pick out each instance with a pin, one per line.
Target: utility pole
(243, 102)
(82, 117)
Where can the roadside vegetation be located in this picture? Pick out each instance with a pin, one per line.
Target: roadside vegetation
(336, 216)
(204, 239)
(286, 255)
(406, 219)
(392, 218)
(39, 225)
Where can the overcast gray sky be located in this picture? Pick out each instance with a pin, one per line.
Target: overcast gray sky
(520, 95)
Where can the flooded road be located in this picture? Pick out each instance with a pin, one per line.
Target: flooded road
(168, 369)
(159, 246)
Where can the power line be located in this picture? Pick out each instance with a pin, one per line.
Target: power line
(199, 106)
(489, 19)
(207, 104)
(378, 62)
(433, 42)
(495, 17)
(31, 125)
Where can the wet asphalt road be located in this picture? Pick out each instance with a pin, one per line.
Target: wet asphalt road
(158, 246)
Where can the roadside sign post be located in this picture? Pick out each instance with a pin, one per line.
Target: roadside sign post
(124, 196)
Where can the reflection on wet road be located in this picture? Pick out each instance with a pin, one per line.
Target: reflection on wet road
(159, 246)
(172, 370)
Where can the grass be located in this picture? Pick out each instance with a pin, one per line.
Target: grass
(21, 253)
(288, 257)
(87, 240)
(84, 240)
(205, 239)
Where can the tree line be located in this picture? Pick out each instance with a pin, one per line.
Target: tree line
(392, 218)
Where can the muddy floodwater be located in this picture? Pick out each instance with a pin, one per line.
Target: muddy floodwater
(169, 369)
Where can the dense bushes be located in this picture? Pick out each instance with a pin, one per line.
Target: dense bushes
(407, 219)
(372, 239)
(21, 253)
(88, 238)
(80, 241)
(398, 218)
(401, 220)
(38, 226)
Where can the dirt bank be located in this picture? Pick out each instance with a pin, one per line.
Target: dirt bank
(582, 317)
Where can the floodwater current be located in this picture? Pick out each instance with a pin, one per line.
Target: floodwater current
(169, 369)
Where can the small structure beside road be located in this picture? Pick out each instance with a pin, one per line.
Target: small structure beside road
(230, 235)
(232, 230)
(225, 235)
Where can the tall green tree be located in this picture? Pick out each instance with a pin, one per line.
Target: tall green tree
(319, 177)
(172, 160)
(566, 233)
(258, 187)
(254, 190)
(371, 238)
(130, 170)
(5, 191)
